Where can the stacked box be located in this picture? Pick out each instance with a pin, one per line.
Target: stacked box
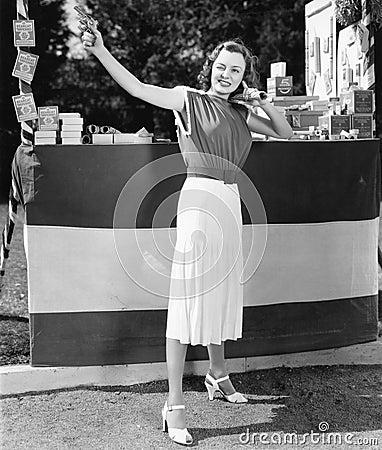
(363, 123)
(45, 137)
(71, 128)
(357, 102)
(280, 86)
(291, 100)
(302, 120)
(334, 123)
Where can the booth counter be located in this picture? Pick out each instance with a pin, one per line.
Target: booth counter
(100, 230)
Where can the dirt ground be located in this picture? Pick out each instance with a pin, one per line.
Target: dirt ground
(346, 399)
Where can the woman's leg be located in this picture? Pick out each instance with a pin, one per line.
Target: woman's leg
(176, 355)
(218, 367)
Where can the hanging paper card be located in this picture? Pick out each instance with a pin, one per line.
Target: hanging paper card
(23, 33)
(48, 118)
(25, 107)
(25, 66)
(312, 82)
(328, 83)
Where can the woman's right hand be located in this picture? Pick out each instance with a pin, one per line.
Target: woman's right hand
(92, 42)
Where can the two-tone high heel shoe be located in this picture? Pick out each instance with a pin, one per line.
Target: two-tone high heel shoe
(212, 386)
(178, 435)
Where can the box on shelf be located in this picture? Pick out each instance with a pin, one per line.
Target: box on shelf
(334, 123)
(363, 123)
(278, 69)
(102, 138)
(280, 86)
(318, 105)
(357, 102)
(45, 137)
(303, 119)
(293, 100)
(131, 138)
(71, 140)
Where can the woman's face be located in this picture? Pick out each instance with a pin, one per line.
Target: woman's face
(227, 73)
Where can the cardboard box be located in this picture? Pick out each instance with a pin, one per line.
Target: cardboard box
(278, 69)
(131, 138)
(293, 100)
(280, 86)
(102, 139)
(318, 105)
(363, 123)
(303, 119)
(357, 102)
(335, 123)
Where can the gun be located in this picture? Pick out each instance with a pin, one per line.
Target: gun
(86, 19)
(243, 98)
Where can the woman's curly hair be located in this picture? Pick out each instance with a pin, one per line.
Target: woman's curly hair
(251, 76)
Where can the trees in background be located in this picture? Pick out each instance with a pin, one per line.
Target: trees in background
(162, 42)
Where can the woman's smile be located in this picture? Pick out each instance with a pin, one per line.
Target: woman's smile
(227, 73)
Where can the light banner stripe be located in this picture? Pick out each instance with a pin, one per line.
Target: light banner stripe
(79, 269)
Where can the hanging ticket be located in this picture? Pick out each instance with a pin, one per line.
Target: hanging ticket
(23, 33)
(25, 66)
(48, 118)
(25, 107)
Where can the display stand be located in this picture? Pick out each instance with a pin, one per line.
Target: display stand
(316, 285)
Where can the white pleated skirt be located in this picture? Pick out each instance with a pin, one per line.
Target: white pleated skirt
(206, 294)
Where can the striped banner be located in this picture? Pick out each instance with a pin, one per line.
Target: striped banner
(97, 289)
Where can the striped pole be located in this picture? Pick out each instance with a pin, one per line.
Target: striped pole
(24, 87)
(26, 139)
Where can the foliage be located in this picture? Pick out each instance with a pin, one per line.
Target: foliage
(376, 13)
(165, 43)
(348, 11)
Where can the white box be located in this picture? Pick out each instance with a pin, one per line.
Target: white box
(72, 121)
(124, 138)
(102, 138)
(45, 141)
(71, 134)
(278, 69)
(45, 134)
(69, 115)
(71, 141)
(71, 128)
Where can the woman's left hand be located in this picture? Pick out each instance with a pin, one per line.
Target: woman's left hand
(253, 96)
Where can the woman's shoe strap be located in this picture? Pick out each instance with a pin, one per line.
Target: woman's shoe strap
(170, 408)
(219, 380)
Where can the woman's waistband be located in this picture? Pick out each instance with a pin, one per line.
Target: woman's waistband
(228, 176)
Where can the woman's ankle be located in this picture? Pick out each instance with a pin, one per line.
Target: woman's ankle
(175, 399)
(217, 372)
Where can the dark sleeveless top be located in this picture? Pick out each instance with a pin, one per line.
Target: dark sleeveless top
(213, 135)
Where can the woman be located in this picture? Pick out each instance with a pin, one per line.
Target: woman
(206, 297)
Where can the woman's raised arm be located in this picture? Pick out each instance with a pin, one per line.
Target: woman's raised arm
(169, 98)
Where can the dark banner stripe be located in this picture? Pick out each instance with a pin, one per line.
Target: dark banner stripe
(299, 182)
(124, 337)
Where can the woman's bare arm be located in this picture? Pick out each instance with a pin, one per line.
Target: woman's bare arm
(169, 98)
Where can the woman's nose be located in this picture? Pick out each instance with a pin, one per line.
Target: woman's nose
(225, 74)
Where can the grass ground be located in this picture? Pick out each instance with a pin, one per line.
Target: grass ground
(14, 316)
